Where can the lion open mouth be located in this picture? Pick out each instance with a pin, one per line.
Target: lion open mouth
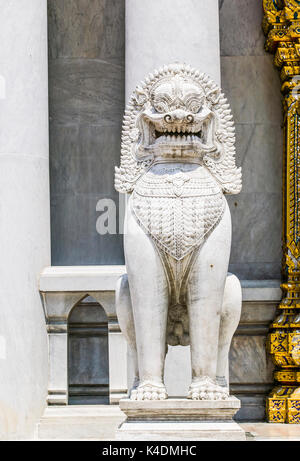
(174, 131)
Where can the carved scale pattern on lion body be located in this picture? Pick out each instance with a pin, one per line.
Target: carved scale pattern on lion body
(178, 206)
(178, 210)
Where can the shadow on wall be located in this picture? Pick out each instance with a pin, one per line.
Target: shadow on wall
(86, 104)
(88, 367)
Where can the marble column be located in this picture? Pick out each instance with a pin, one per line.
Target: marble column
(157, 33)
(58, 363)
(161, 32)
(24, 214)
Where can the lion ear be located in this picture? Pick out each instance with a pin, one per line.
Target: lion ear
(140, 97)
(224, 168)
(213, 96)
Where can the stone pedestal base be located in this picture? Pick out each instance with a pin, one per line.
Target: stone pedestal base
(180, 419)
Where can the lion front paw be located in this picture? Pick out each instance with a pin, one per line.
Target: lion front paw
(149, 391)
(207, 389)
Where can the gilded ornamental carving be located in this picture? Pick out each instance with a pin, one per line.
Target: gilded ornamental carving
(281, 25)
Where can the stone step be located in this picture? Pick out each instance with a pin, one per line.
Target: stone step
(79, 422)
(180, 419)
(100, 422)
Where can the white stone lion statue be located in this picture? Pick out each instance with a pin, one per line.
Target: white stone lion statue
(177, 162)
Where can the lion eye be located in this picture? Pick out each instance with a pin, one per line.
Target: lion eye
(195, 109)
(160, 106)
(194, 105)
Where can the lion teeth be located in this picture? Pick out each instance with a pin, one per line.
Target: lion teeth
(177, 138)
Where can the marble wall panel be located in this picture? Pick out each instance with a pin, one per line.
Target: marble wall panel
(86, 102)
(251, 84)
(75, 240)
(256, 144)
(87, 28)
(254, 364)
(250, 366)
(86, 91)
(255, 253)
(240, 27)
(83, 159)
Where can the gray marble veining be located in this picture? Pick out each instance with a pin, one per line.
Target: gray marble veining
(86, 29)
(86, 91)
(86, 102)
(240, 28)
(256, 248)
(252, 85)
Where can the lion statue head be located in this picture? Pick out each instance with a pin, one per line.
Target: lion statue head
(178, 114)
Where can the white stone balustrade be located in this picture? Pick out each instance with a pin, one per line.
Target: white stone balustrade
(63, 287)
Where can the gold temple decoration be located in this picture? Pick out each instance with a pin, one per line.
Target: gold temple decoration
(281, 25)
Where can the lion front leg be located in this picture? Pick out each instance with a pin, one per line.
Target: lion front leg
(149, 297)
(204, 300)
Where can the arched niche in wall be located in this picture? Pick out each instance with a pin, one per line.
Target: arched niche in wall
(88, 366)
